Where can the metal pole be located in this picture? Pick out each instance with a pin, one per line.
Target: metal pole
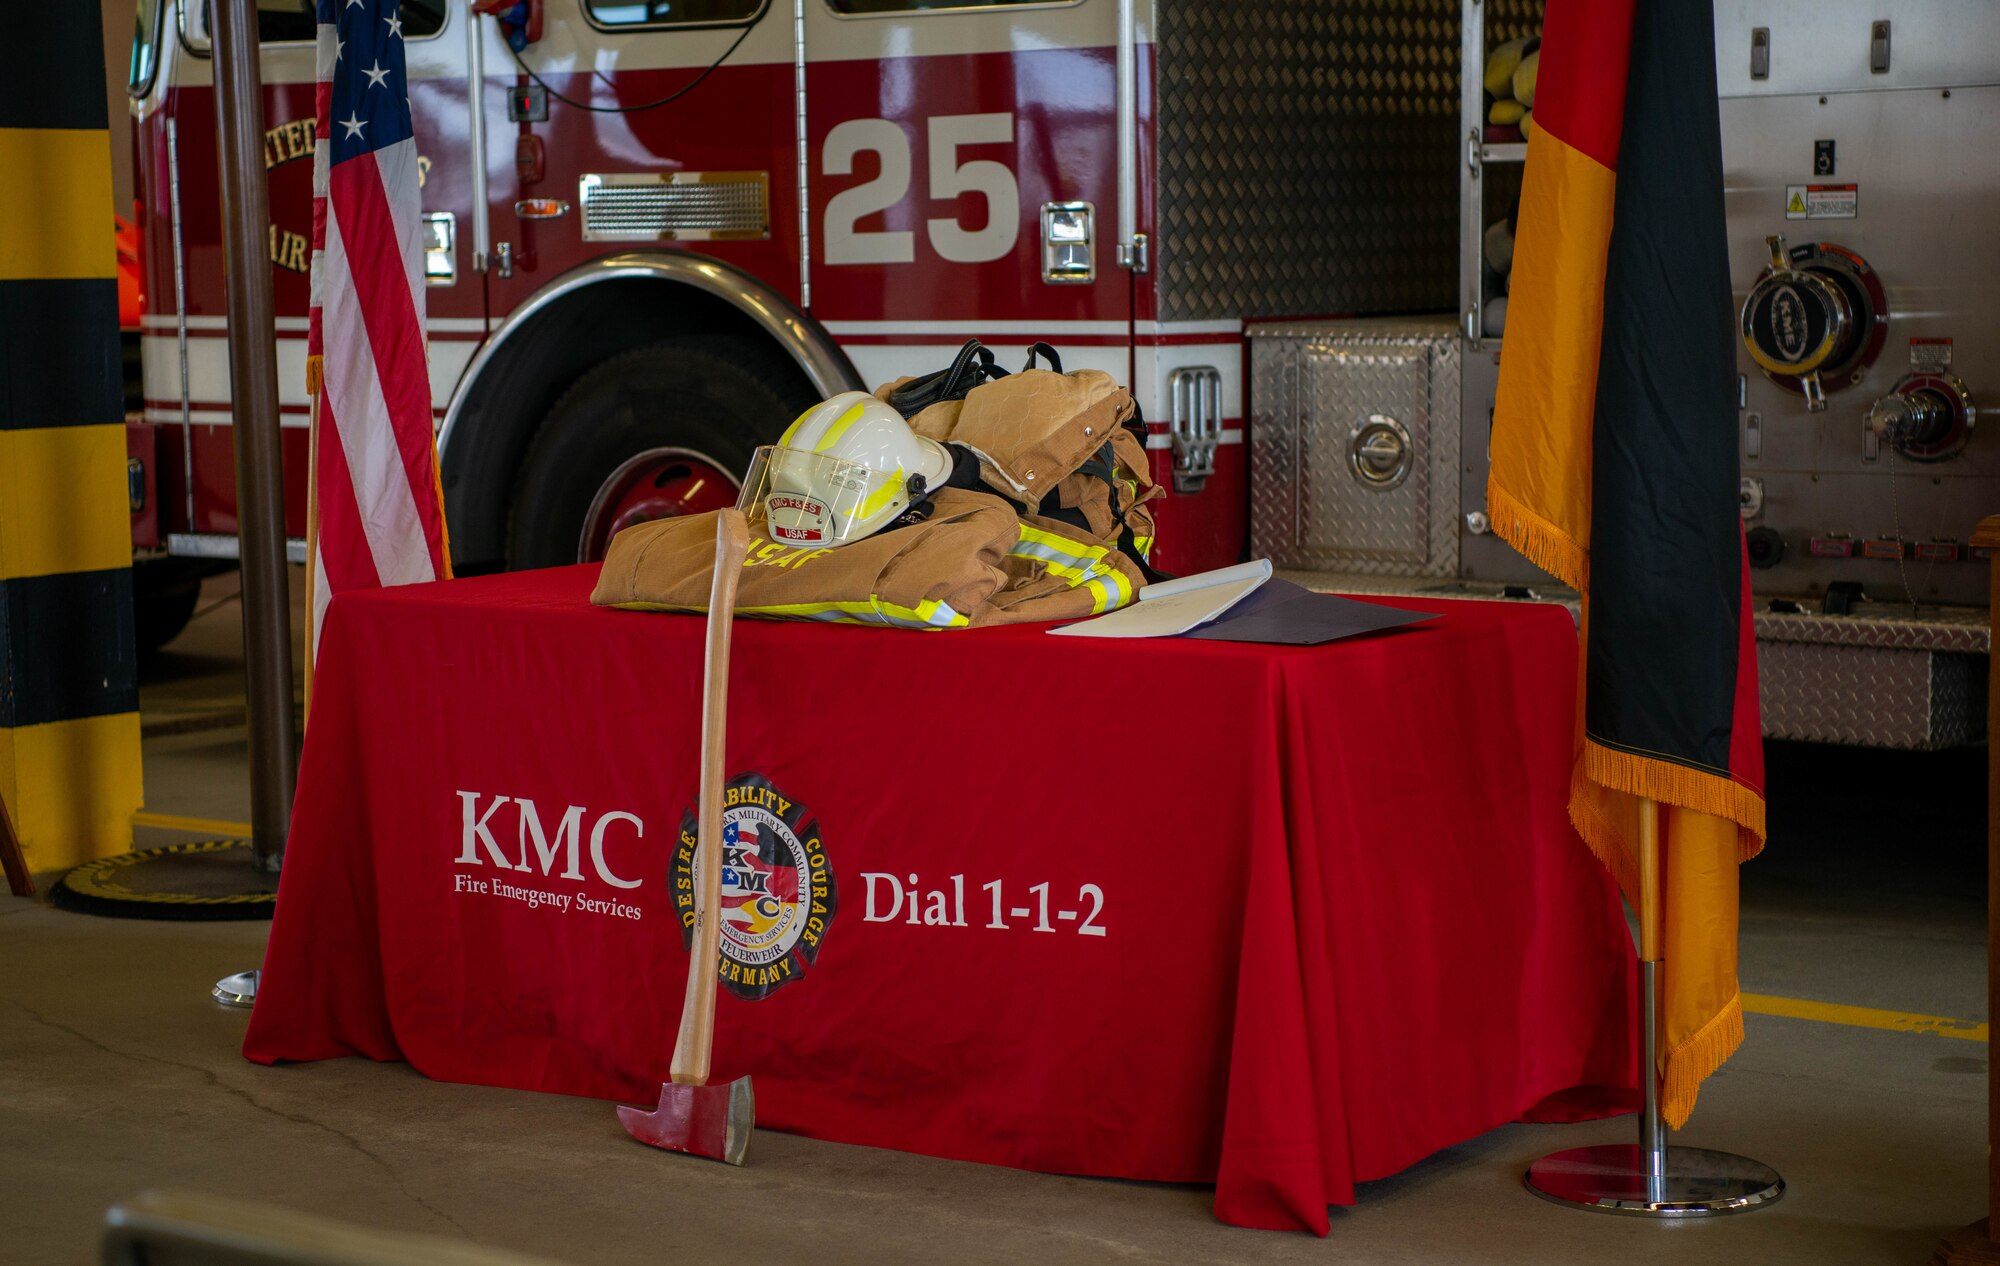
(253, 378)
(1131, 243)
(1652, 1130)
(475, 114)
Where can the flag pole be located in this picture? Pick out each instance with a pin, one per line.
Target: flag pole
(314, 381)
(253, 376)
(1652, 1129)
(260, 475)
(1649, 1178)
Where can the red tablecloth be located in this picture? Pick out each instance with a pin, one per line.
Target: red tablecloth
(1316, 912)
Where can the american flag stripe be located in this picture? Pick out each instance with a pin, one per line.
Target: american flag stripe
(379, 517)
(366, 425)
(345, 556)
(404, 189)
(379, 312)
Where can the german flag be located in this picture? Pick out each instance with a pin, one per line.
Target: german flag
(1615, 468)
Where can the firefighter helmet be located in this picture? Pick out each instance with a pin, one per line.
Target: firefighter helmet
(846, 468)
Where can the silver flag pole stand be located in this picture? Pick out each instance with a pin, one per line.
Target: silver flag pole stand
(239, 990)
(1649, 1178)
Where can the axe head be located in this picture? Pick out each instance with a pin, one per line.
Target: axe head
(711, 1121)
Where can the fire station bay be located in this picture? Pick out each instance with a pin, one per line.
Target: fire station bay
(999, 631)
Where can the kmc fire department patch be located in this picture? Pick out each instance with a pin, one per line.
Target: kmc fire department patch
(778, 892)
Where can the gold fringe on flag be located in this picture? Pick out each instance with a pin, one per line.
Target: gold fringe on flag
(1703, 847)
(1675, 784)
(1542, 542)
(1684, 1067)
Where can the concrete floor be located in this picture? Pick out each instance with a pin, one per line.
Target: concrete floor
(117, 1074)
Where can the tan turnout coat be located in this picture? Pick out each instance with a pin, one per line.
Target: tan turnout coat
(975, 561)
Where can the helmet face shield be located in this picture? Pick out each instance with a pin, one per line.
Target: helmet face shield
(846, 468)
(816, 500)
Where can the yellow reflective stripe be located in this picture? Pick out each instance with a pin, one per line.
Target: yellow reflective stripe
(1109, 592)
(879, 498)
(1083, 566)
(785, 440)
(839, 427)
(929, 614)
(1050, 539)
(1144, 544)
(1074, 561)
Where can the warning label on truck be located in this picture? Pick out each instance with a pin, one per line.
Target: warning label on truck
(1930, 355)
(1821, 202)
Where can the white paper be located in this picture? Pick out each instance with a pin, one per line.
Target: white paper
(1175, 606)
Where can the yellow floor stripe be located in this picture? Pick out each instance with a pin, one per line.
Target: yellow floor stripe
(174, 822)
(1863, 1017)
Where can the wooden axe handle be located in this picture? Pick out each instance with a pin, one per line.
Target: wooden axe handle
(697, 1035)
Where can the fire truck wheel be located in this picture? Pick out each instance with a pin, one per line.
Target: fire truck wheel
(164, 594)
(662, 430)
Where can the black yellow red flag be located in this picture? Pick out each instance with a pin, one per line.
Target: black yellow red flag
(1615, 468)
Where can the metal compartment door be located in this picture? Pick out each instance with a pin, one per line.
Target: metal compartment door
(1355, 450)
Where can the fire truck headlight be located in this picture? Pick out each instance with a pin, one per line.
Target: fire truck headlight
(441, 248)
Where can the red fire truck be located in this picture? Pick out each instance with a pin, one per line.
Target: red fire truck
(661, 227)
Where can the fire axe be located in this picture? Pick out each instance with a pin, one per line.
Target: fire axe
(693, 1116)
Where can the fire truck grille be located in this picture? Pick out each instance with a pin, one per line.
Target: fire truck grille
(1307, 156)
(675, 206)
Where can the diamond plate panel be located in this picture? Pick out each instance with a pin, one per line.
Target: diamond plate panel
(1307, 157)
(1871, 696)
(1890, 694)
(1960, 629)
(1958, 698)
(1313, 386)
(1511, 19)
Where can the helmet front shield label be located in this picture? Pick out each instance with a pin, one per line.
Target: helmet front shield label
(814, 500)
(793, 519)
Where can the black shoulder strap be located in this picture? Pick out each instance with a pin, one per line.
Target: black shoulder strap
(1105, 466)
(1043, 349)
(973, 365)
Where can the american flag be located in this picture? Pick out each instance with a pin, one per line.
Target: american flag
(378, 506)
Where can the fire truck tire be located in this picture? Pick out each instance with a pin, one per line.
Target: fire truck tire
(164, 594)
(711, 398)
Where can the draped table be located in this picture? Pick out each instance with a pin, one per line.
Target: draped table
(1282, 919)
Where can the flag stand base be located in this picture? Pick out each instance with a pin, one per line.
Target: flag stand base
(239, 990)
(1693, 1183)
(1648, 1179)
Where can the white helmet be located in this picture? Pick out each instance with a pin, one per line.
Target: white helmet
(846, 468)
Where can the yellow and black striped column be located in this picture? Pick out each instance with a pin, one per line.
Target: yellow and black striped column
(69, 720)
